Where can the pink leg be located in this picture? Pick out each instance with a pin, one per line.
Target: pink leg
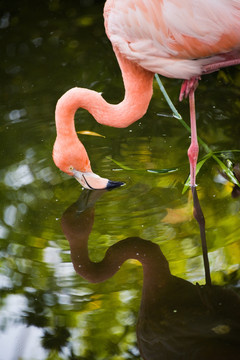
(187, 90)
(193, 148)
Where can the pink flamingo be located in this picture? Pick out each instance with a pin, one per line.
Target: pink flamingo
(177, 39)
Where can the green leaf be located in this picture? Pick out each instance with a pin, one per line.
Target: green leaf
(157, 171)
(163, 171)
(228, 171)
(119, 164)
(91, 133)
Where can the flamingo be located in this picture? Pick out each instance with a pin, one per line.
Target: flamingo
(177, 39)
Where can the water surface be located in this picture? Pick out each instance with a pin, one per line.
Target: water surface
(48, 310)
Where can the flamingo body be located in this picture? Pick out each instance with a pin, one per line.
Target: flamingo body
(177, 39)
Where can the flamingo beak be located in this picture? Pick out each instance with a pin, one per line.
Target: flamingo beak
(113, 184)
(91, 181)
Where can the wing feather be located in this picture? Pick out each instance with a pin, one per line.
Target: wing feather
(167, 36)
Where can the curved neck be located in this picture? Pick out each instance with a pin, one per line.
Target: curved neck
(138, 93)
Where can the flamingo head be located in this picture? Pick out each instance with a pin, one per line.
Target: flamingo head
(74, 161)
(92, 181)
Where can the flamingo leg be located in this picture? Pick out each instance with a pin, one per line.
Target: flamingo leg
(193, 148)
(188, 90)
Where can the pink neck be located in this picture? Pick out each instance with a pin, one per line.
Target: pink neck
(138, 93)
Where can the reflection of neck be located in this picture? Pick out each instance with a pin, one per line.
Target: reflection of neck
(77, 230)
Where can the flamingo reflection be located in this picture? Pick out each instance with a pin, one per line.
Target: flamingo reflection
(177, 320)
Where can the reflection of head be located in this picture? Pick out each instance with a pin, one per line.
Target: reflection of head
(177, 320)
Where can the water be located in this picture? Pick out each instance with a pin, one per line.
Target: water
(47, 310)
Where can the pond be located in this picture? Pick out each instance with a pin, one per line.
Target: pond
(59, 298)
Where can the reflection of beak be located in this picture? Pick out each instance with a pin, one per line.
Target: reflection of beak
(91, 181)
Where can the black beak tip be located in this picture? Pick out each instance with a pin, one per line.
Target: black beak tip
(113, 184)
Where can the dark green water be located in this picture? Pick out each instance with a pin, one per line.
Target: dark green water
(48, 311)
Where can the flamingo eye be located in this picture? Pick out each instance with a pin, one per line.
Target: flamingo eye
(71, 168)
